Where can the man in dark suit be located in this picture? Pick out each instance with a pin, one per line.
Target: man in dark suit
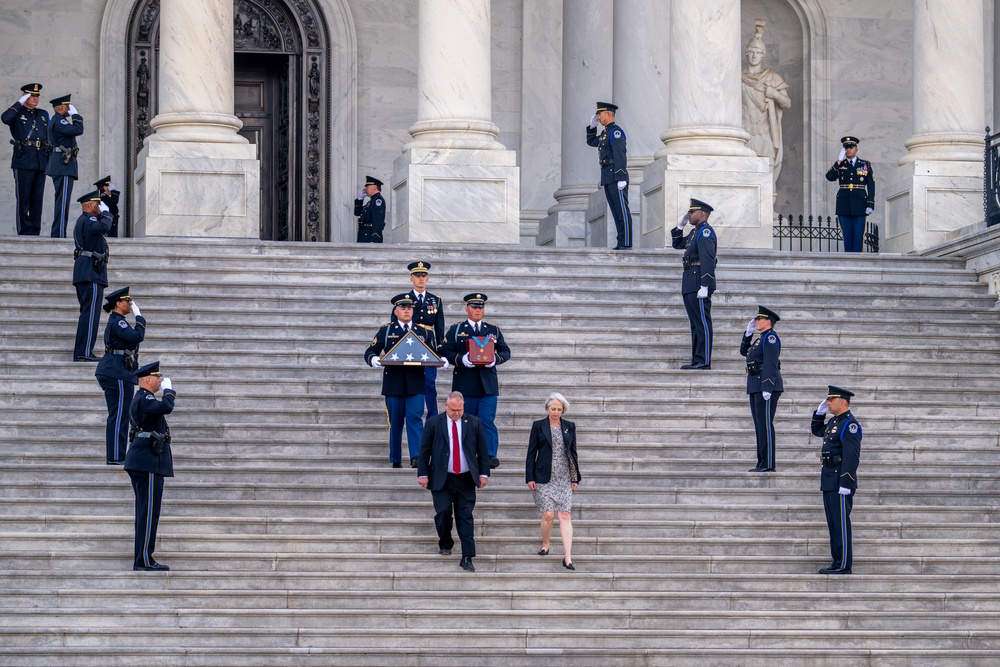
(453, 461)
(856, 196)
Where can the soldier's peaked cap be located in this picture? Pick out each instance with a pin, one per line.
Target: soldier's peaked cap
(837, 392)
(149, 369)
(419, 266)
(699, 205)
(763, 312)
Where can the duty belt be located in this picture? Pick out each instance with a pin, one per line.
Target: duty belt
(37, 143)
(688, 265)
(831, 460)
(90, 253)
(754, 368)
(853, 187)
(122, 353)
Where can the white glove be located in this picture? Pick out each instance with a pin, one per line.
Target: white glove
(165, 384)
(112, 187)
(842, 155)
(683, 221)
(593, 121)
(135, 309)
(492, 363)
(446, 364)
(766, 395)
(73, 111)
(869, 210)
(103, 208)
(466, 362)
(376, 362)
(23, 98)
(622, 184)
(362, 195)
(751, 327)
(823, 408)
(844, 492)
(702, 292)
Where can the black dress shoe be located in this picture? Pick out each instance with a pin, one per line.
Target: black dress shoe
(833, 570)
(543, 552)
(494, 462)
(397, 464)
(413, 462)
(757, 469)
(152, 567)
(696, 367)
(444, 552)
(767, 469)
(568, 566)
(466, 564)
(116, 463)
(89, 358)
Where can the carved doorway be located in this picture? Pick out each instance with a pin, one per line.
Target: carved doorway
(282, 95)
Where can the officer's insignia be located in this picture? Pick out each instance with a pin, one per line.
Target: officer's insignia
(706, 233)
(150, 397)
(853, 428)
(375, 340)
(378, 202)
(64, 121)
(772, 339)
(123, 324)
(618, 134)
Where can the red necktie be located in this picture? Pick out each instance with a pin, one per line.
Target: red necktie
(456, 466)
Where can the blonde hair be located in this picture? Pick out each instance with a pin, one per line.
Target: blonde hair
(556, 396)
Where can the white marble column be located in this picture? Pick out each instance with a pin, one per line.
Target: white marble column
(586, 80)
(705, 153)
(196, 176)
(939, 184)
(454, 180)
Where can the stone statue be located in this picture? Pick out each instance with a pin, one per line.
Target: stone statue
(765, 98)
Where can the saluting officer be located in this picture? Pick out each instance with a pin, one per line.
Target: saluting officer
(698, 280)
(477, 383)
(402, 386)
(116, 369)
(90, 271)
(64, 127)
(110, 197)
(371, 215)
(428, 313)
(763, 382)
(149, 460)
(839, 479)
(29, 127)
(856, 196)
(612, 155)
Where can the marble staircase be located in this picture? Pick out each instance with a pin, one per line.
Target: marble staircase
(292, 542)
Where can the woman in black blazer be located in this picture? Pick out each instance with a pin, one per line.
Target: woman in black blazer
(553, 473)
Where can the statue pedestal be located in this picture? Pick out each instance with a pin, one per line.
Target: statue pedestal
(197, 189)
(738, 187)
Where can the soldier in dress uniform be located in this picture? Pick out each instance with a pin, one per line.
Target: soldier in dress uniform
(763, 382)
(371, 216)
(612, 155)
(428, 313)
(116, 369)
(402, 386)
(149, 460)
(856, 196)
(29, 127)
(110, 197)
(478, 384)
(698, 281)
(90, 271)
(839, 479)
(64, 127)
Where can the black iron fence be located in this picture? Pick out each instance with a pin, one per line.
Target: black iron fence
(817, 234)
(991, 179)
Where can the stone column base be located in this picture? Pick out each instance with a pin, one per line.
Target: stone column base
(454, 196)
(197, 189)
(739, 188)
(927, 200)
(563, 229)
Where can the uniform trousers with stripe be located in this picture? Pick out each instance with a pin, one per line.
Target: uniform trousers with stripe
(29, 191)
(64, 199)
(91, 297)
(853, 227)
(618, 201)
(148, 488)
(408, 410)
(763, 425)
(118, 394)
(456, 498)
(838, 520)
(699, 312)
(485, 408)
(430, 390)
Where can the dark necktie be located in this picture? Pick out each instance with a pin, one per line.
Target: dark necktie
(456, 466)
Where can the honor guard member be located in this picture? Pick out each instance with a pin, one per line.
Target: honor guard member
(763, 382)
(149, 460)
(698, 280)
(110, 196)
(611, 153)
(90, 271)
(371, 216)
(839, 479)
(64, 127)
(402, 386)
(856, 196)
(428, 313)
(29, 127)
(116, 369)
(478, 384)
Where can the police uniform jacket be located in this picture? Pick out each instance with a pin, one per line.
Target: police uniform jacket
(841, 438)
(111, 201)
(371, 214)
(611, 153)
(29, 131)
(699, 257)
(478, 381)
(428, 315)
(148, 414)
(857, 186)
(89, 234)
(763, 354)
(398, 380)
(62, 135)
(118, 335)
(538, 466)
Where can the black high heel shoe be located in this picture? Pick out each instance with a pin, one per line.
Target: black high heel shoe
(568, 566)
(543, 552)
